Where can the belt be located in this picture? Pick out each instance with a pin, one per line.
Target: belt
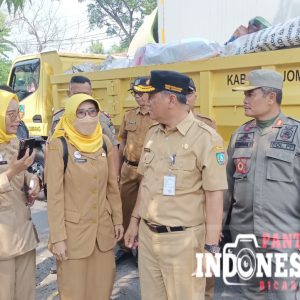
(163, 229)
(131, 163)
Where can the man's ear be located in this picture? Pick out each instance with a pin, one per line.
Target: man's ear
(272, 98)
(172, 100)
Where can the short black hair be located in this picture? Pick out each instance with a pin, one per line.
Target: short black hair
(278, 92)
(7, 88)
(80, 79)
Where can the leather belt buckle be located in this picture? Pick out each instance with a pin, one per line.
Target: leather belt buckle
(163, 229)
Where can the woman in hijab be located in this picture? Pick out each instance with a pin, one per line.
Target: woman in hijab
(18, 189)
(84, 205)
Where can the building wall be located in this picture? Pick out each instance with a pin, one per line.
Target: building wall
(217, 19)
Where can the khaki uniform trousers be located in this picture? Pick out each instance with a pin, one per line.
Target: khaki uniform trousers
(167, 261)
(17, 277)
(89, 278)
(129, 185)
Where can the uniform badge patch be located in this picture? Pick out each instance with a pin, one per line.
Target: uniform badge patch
(244, 140)
(286, 133)
(220, 156)
(241, 165)
(77, 154)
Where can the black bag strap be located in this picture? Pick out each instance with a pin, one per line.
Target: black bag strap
(65, 152)
(104, 146)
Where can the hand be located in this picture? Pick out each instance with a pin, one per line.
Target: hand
(130, 237)
(119, 231)
(59, 250)
(17, 166)
(34, 189)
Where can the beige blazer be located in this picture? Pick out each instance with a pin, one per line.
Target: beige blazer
(17, 233)
(84, 203)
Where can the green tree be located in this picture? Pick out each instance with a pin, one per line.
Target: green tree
(13, 4)
(122, 18)
(96, 47)
(4, 70)
(4, 33)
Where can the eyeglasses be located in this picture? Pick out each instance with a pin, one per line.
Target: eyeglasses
(92, 112)
(134, 94)
(13, 115)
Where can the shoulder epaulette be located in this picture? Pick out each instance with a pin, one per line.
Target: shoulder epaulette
(205, 126)
(293, 119)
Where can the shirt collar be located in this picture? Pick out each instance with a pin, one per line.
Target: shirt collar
(280, 120)
(183, 126)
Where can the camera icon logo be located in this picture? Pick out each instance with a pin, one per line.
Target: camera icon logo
(239, 259)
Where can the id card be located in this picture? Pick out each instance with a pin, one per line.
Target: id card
(169, 185)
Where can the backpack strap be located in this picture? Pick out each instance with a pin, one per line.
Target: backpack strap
(104, 146)
(65, 152)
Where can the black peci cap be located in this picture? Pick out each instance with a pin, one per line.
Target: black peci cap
(169, 81)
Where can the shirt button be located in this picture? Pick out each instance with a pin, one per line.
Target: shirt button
(29, 219)
(94, 206)
(94, 221)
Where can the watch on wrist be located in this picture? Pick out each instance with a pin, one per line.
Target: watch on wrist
(212, 248)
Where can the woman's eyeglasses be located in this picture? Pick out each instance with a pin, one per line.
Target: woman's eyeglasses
(13, 115)
(92, 112)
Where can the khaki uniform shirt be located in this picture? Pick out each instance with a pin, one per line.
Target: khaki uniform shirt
(84, 203)
(134, 127)
(106, 124)
(199, 165)
(264, 178)
(206, 120)
(17, 233)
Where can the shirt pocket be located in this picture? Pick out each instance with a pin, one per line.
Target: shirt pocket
(131, 126)
(184, 169)
(242, 162)
(280, 165)
(72, 216)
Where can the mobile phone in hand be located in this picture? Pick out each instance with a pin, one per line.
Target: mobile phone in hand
(24, 145)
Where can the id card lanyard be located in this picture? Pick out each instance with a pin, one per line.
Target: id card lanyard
(169, 188)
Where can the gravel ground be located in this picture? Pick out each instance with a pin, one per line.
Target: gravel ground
(126, 286)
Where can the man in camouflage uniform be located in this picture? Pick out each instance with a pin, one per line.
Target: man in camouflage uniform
(263, 173)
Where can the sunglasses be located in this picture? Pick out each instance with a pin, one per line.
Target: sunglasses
(92, 112)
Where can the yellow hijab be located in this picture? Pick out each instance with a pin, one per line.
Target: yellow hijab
(5, 98)
(88, 144)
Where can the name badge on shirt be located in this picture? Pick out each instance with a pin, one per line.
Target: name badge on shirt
(169, 185)
(80, 160)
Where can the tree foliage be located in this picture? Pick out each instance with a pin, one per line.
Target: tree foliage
(96, 47)
(4, 70)
(4, 33)
(13, 4)
(121, 18)
(40, 23)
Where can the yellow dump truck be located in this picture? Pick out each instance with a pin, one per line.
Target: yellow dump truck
(214, 79)
(30, 78)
